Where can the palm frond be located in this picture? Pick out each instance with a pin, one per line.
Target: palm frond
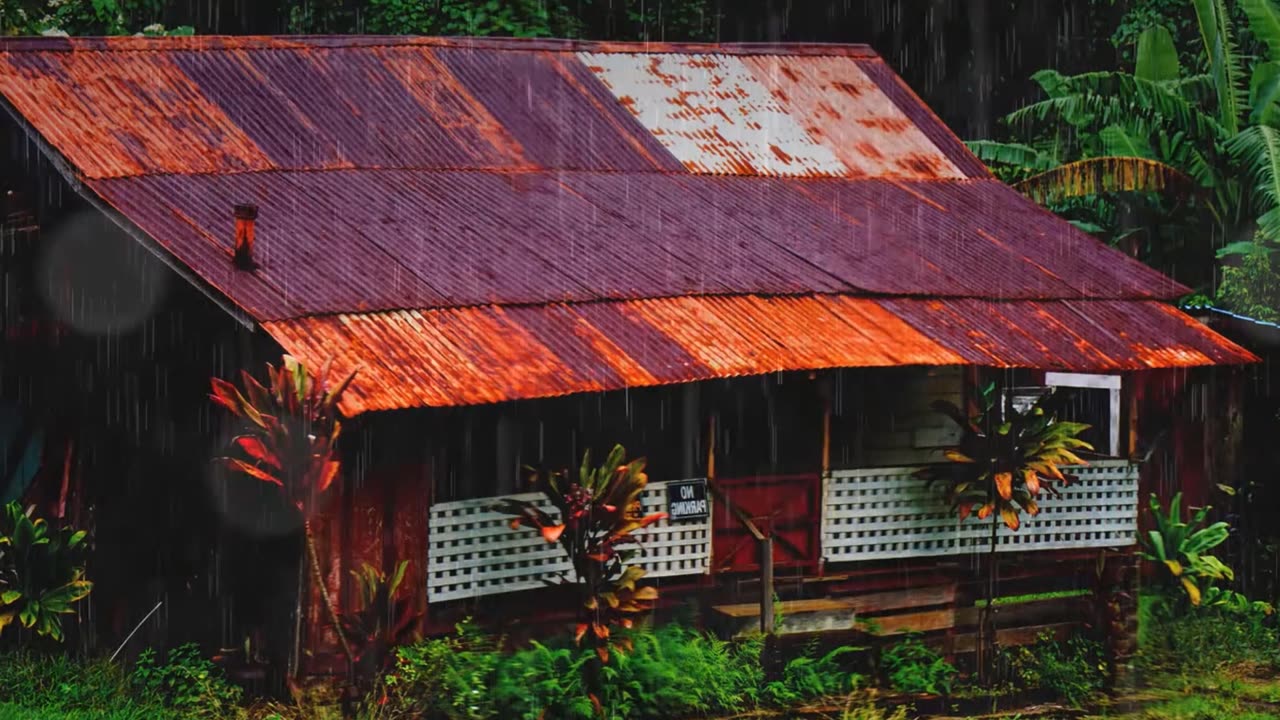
(1098, 99)
(1105, 175)
(1224, 62)
(1257, 151)
(1264, 22)
(1117, 141)
(1014, 154)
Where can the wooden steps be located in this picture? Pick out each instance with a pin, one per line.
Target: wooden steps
(844, 613)
(936, 611)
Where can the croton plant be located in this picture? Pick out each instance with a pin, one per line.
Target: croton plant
(288, 439)
(1006, 456)
(596, 522)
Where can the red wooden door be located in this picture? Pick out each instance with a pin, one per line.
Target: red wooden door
(785, 506)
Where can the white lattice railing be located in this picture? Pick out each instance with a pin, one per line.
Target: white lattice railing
(890, 513)
(473, 551)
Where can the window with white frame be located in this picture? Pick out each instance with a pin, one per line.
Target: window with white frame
(1095, 399)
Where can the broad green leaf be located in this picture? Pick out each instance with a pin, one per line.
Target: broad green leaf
(1157, 57)
(1264, 22)
(1224, 65)
(1257, 151)
(1264, 92)
(1117, 141)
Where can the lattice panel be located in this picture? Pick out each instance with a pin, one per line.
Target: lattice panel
(473, 551)
(890, 513)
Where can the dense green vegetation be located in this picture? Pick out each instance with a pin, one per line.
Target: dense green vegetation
(1175, 157)
(634, 19)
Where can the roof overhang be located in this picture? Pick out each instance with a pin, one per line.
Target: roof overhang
(490, 354)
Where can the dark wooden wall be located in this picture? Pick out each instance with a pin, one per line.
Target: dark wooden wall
(110, 353)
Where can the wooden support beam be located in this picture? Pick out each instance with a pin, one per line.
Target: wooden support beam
(766, 586)
(711, 448)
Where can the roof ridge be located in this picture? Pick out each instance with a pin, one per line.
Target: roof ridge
(551, 171)
(134, 43)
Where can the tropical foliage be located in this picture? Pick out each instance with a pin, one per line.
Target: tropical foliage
(596, 521)
(1177, 161)
(288, 438)
(1181, 549)
(634, 19)
(85, 17)
(671, 671)
(41, 572)
(1005, 457)
(384, 619)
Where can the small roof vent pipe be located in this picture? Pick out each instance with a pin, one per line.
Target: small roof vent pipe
(245, 214)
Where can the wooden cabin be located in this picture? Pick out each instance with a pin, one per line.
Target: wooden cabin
(755, 265)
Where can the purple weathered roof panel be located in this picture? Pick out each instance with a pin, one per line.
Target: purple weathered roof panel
(364, 240)
(559, 113)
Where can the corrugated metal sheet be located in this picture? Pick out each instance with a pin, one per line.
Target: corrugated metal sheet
(714, 115)
(492, 354)
(923, 117)
(848, 113)
(489, 354)
(585, 216)
(1100, 336)
(449, 238)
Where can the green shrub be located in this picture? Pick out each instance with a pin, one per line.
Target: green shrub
(446, 677)
(1204, 639)
(188, 684)
(675, 670)
(35, 687)
(910, 666)
(1073, 670)
(545, 682)
(465, 677)
(670, 671)
(807, 677)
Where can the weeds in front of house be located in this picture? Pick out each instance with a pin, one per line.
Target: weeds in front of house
(670, 671)
(1073, 670)
(184, 687)
(910, 666)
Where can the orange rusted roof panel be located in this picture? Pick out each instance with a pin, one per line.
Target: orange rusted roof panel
(488, 354)
(491, 354)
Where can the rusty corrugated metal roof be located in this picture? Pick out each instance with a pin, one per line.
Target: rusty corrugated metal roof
(482, 220)
(490, 354)
(454, 238)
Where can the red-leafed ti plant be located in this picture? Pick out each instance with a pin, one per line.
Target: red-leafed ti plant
(596, 521)
(289, 430)
(1005, 458)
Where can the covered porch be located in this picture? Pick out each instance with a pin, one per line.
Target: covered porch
(815, 471)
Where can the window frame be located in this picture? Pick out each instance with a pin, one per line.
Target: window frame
(1091, 381)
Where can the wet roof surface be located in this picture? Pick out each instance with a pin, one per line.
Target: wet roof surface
(397, 176)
